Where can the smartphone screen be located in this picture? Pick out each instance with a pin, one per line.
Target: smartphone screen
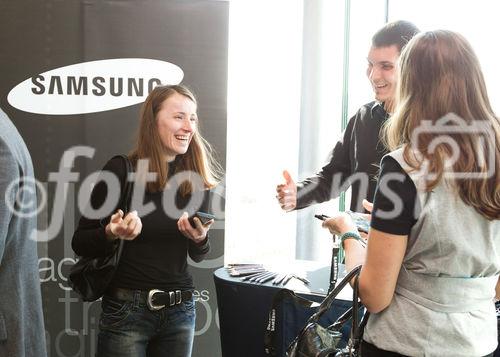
(204, 217)
(361, 222)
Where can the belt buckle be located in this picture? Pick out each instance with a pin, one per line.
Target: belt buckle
(175, 297)
(149, 301)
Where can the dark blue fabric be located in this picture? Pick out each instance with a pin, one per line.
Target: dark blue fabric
(497, 352)
(130, 329)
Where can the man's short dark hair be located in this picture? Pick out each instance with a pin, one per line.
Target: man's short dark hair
(396, 33)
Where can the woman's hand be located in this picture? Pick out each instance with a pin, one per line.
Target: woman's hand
(343, 222)
(196, 234)
(340, 224)
(127, 228)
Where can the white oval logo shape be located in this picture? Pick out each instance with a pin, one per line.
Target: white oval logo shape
(93, 86)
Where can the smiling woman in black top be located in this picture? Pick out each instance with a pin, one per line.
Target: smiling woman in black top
(148, 309)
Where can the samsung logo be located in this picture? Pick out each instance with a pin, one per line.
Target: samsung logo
(94, 86)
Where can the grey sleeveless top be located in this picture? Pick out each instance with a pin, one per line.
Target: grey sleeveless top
(443, 303)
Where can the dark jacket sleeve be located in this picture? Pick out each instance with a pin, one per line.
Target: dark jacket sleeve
(197, 252)
(330, 181)
(89, 239)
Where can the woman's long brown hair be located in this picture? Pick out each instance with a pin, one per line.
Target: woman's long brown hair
(199, 157)
(440, 80)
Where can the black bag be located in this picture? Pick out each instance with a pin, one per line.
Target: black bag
(314, 340)
(90, 277)
(290, 312)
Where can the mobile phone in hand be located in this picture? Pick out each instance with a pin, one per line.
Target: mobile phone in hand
(362, 224)
(203, 217)
(360, 221)
(322, 217)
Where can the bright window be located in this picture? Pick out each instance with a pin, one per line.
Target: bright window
(476, 20)
(285, 112)
(265, 51)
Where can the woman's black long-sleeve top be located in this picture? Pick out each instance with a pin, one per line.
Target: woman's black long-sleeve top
(157, 257)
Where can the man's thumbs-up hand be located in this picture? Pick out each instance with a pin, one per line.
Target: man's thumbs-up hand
(287, 193)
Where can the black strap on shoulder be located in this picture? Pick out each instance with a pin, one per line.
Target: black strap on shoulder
(126, 184)
(126, 195)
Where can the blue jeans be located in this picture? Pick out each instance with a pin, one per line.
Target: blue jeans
(130, 329)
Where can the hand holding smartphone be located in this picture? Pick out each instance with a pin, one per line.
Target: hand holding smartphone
(203, 217)
(322, 217)
(362, 224)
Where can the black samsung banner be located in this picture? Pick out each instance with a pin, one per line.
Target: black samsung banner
(73, 76)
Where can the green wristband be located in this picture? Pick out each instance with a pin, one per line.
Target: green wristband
(351, 235)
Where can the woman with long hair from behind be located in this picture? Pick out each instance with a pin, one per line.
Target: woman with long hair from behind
(431, 267)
